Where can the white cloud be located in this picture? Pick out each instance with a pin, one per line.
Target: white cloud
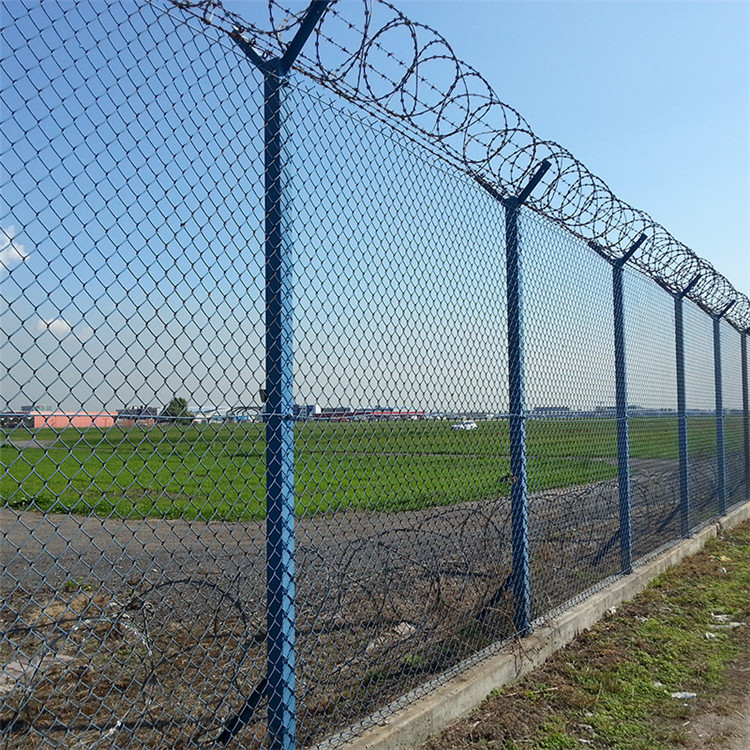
(11, 252)
(83, 333)
(57, 326)
(60, 327)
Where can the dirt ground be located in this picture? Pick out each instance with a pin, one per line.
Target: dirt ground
(722, 722)
(725, 721)
(154, 628)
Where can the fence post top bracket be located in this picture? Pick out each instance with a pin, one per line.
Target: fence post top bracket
(620, 262)
(280, 66)
(513, 201)
(726, 309)
(520, 199)
(686, 290)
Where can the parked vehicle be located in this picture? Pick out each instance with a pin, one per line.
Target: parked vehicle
(467, 424)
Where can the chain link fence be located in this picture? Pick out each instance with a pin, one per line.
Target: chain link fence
(323, 377)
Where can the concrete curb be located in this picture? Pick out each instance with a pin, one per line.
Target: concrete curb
(412, 725)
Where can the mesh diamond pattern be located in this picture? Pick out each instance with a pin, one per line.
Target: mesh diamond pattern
(276, 458)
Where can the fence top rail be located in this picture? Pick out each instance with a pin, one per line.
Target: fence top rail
(452, 108)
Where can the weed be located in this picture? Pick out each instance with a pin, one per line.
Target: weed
(76, 584)
(414, 660)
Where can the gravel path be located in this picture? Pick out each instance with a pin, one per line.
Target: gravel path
(43, 551)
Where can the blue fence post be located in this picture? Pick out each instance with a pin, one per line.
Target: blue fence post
(279, 437)
(279, 682)
(721, 459)
(519, 489)
(745, 407)
(682, 427)
(516, 382)
(621, 410)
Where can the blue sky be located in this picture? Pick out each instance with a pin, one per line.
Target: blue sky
(652, 96)
(132, 209)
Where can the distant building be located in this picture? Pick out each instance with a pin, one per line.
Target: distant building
(203, 416)
(551, 411)
(605, 411)
(306, 411)
(144, 416)
(35, 419)
(242, 414)
(37, 407)
(375, 414)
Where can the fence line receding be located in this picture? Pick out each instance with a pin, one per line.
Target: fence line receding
(322, 374)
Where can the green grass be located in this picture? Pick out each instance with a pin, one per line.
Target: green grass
(647, 652)
(612, 686)
(218, 471)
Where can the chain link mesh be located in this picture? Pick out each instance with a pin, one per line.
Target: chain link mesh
(141, 560)
(734, 428)
(397, 344)
(652, 411)
(132, 212)
(701, 413)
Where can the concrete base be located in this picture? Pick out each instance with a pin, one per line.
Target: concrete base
(413, 724)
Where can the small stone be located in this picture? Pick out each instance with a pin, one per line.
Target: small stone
(710, 636)
(376, 643)
(684, 696)
(19, 668)
(404, 629)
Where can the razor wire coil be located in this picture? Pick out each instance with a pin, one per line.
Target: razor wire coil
(460, 115)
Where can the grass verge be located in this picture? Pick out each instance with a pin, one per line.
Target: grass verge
(613, 686)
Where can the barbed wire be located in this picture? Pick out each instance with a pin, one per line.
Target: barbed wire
(451, 106)
(397, 597)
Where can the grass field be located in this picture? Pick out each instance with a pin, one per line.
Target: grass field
(218, 471)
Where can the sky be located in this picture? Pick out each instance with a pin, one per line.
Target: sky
(131, 242)
(653, 97)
